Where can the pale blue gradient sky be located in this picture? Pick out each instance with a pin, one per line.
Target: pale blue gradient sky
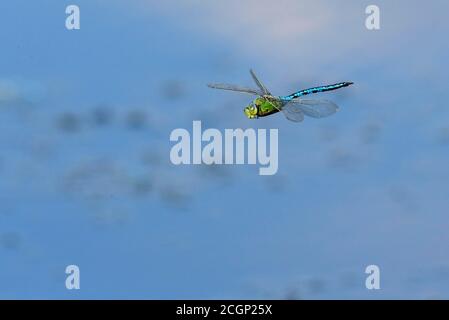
(85, 176)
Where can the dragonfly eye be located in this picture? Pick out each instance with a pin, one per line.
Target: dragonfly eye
(251, 111)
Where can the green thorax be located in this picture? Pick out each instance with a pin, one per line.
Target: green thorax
(266, 106)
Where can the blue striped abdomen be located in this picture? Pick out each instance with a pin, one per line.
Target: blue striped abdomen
(317, 90)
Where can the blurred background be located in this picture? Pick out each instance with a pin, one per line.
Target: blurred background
(86, 179)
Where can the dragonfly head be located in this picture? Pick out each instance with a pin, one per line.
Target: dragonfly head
(251, 111)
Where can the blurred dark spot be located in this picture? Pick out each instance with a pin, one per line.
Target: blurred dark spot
(328, 133)
(10, 241)
(316, 286)
(216, 171)
(97, 179)
(151, 158)
(292, 294)
(69, 122)
(111, 217)
(342, 159)
(143, 186)
(403, 197)
(102, 116)
(443, 136)
(370, 133)
(276, 183)
(398, 194)
(173, 90)
(175, 196)
(136, 119)
(222, 62)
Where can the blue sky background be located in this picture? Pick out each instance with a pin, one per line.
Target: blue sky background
(85, 175)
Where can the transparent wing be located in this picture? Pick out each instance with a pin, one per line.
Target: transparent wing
(292, 112)
(259, 84)
(232, 87)
(314, 108)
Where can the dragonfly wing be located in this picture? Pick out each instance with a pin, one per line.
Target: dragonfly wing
(232, 87)
(315, 108)
(292, 112)
(259, 84)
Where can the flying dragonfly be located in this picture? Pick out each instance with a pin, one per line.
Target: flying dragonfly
(292, 106)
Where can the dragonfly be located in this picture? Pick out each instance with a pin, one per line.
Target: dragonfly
(293, 106)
